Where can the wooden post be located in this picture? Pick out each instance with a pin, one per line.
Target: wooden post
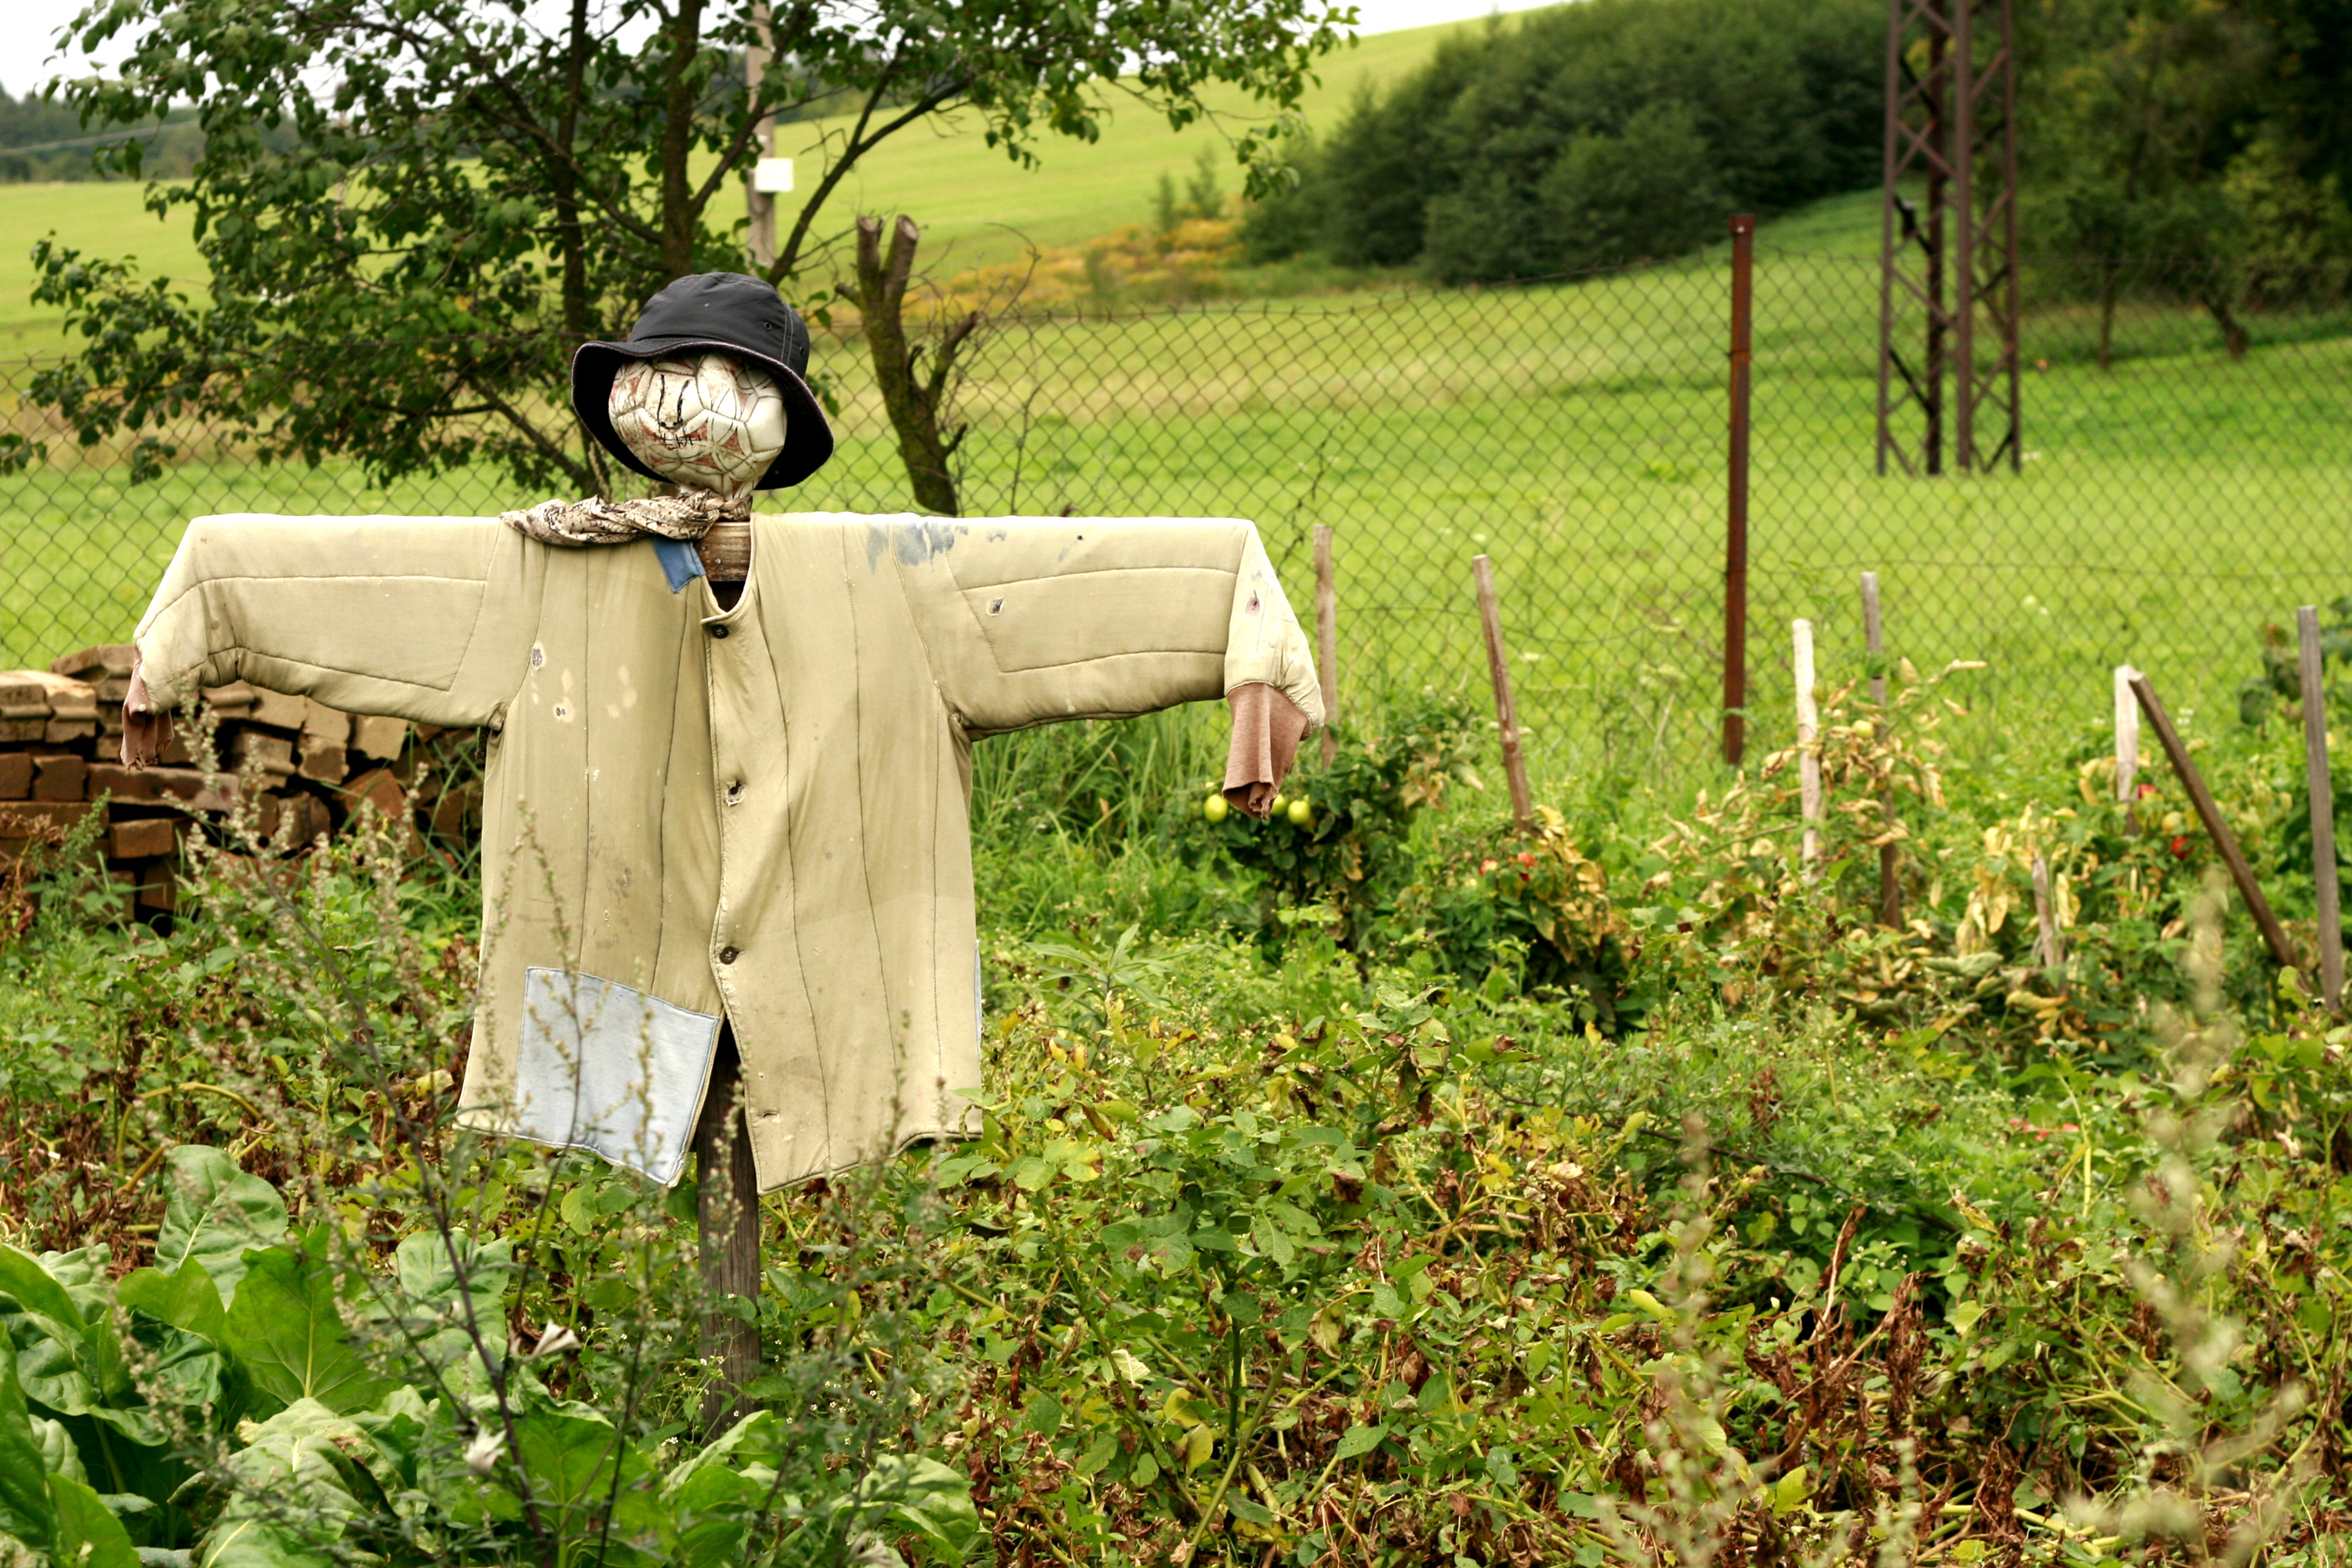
(1808, 745)
(1874, 641)
(761, 238)
(727, 1200)
(1735, 543)
(2324, 875)
(2210, 814)
(2049, 943)
(2126, 746)
(727, 1227)
(1327, 639)
(1507, 715)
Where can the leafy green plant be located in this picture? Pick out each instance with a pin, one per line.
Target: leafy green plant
(1340, 832)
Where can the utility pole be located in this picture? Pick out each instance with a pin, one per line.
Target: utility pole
(1949, 391)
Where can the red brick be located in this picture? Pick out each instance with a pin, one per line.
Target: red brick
(111, 658)
(16, 815)
(158, 886)
(192, 787)
(144, 838)
(60, 776)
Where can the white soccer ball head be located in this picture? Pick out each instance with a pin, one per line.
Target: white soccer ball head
(704, 420)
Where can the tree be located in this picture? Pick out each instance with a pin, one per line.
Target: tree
(467, 196)
(915, 400)
(1526, 149)
(2192, 150)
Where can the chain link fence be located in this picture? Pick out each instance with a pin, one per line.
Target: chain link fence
(2175, 495)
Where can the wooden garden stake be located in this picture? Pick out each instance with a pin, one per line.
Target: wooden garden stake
(727, 1235)
(1327, 639)
(2049, 943)
(1498, 665)
(1808, 745)
(727, 1200)
(2210, 814)
(1874, 640)
(2126, 745)
(2324, 873)
(1890, 881)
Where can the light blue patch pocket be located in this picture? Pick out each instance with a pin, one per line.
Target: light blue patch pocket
(612, 1071)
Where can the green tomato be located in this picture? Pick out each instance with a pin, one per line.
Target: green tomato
(1214, 809)
(1302, 813)
(1275, 809)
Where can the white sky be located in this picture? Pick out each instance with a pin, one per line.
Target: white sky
(29, 29)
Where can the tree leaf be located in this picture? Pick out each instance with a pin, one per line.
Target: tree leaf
(286, 1328)
(87, 1536)
(25, 1511)
(1358, 1440)
(212, 1213)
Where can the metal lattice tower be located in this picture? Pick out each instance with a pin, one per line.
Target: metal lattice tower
(1947, 310)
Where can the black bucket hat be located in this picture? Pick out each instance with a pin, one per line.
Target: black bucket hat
(725, 310)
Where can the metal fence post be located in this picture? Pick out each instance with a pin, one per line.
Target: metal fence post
(1734, 546)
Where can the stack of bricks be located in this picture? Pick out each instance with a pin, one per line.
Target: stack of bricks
(312, 766)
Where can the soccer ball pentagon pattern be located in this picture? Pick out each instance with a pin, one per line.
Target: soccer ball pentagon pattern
(704, 420)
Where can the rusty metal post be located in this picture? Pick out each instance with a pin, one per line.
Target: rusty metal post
(1506, 713)
(2325, 877)
(1964, 212)
(1886, 237)
(1327, 639)
(2007, 316)
(1951, 127)
(2210, 812)
(1734, 544)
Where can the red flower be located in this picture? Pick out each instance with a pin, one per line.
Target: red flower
(2181, 847)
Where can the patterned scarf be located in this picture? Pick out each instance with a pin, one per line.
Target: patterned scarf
(688, 515)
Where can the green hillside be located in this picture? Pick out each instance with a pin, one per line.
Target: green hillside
(977, 205)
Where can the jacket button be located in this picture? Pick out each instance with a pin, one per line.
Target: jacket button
(727, 955)
(718, 631)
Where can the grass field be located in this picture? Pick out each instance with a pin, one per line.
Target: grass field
(2169, 506)
(976, 206)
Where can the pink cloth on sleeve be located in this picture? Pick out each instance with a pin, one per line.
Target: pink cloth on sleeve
(1268, 728)
(146, 732)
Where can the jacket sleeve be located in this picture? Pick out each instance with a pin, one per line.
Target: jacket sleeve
(427, 618)
(1028, 620)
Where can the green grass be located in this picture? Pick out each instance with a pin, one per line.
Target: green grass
(976, 206)
(1575, 434)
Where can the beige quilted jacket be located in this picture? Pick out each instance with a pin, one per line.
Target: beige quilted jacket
(758, 814)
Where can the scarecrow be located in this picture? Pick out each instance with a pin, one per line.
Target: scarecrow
(729, 826)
